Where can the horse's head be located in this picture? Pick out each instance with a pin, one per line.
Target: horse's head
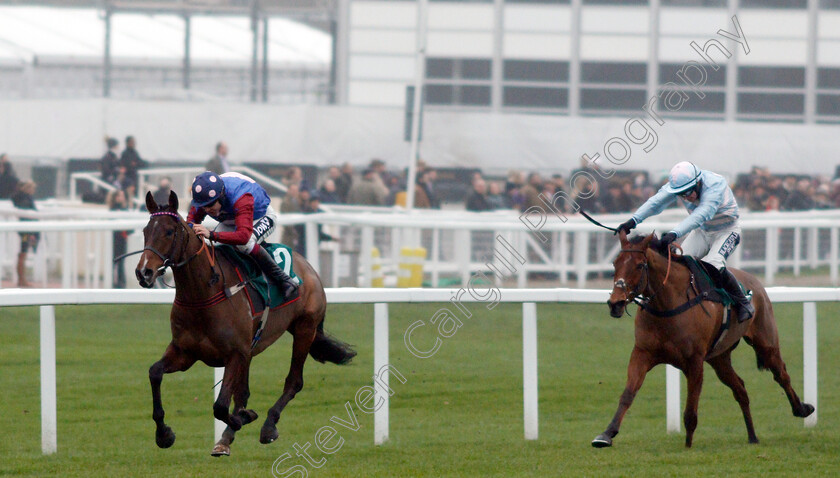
(165, 238)
(631, 275)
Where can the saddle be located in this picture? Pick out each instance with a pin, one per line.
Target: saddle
(260, 293)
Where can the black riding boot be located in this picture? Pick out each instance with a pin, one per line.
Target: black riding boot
(275, 274)
(743, 307)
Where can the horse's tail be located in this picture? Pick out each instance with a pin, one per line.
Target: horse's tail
(329, 349)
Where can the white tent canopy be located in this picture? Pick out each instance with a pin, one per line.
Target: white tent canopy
(30, 32)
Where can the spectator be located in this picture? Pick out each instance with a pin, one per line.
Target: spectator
(756, 198)
(775, 187)
(290, 205)
(131, 160)
(293, 175)
(366, 192)
(161, 195)
(343, 182)
(614, 201)
(531, 192)
(800, 198)
(219, 162)
(426, 181)
(821, 199)
(515, 181)
(383, 177)
(328, 193)
(109, 164)
(118, 201)
(495, 198)
(310, 207)
(477, 201)
(8, 179)
(585, 195)
(24, 198)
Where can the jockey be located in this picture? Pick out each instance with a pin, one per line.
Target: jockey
(712, 224)
(245, 216)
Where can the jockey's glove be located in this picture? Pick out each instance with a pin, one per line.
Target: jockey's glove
(667, 239)
(626, 226)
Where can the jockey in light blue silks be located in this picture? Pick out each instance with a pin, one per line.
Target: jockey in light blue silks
(712, 226)
(243, 210)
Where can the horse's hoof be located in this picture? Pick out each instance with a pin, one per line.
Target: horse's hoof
(807, 410)
(753, 441)
(220, 450)
(268, 435)
(602, 441)
(165, 439)
(249, 416)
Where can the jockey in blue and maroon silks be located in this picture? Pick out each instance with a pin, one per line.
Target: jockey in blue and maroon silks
(243, 210)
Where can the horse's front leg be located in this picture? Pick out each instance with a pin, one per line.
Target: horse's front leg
(640, 363)
(173, 360)
(694, 379)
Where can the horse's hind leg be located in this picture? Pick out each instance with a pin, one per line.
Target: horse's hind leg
(770, 357)
(723, 368)
(304, 334)
(240, 401)
(234, 383)
(640, 363)
(173, 360)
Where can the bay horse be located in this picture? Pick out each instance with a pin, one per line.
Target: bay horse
(690, 336)
(211, 324)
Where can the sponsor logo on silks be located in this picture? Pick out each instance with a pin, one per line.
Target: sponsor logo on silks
(729, 245)
(262, 226)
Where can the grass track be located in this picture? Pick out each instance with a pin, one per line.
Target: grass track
(458, 414)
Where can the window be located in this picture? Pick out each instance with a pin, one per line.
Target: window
(535, 97)
(773, 77)
(534, 70)
(535, 85)
(771, 103)
(611, 100)
(458, 81)
(668, 72)
(623, 73)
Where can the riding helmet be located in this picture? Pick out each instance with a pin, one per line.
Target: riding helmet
(683, 176)
(207, 187)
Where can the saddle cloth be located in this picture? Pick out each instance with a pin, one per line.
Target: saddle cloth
(707, 281)
(258, 290)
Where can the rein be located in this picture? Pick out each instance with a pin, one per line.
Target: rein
(593, 221)
(643, 303)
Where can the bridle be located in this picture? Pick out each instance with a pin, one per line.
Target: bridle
(639, 288)
(168, 258)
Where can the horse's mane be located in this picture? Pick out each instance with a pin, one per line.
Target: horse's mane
(658, 247)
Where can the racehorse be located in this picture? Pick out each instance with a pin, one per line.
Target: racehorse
(211, 323)
(674, 326)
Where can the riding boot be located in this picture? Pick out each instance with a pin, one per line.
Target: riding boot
(275, 274)
(743, 307)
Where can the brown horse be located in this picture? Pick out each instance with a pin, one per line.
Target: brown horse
(688, 338)
(217, 328)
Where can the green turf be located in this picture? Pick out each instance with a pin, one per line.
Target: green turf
(458, 414)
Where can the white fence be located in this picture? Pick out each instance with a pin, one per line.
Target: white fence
(458, 242)
(381, 297)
